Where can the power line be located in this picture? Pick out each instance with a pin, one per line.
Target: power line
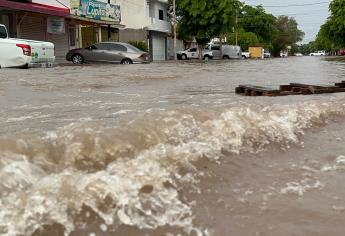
(295, 5)
(308, 13)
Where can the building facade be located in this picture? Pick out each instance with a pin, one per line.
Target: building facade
(37, 21)
(80, 23)
(147, 20)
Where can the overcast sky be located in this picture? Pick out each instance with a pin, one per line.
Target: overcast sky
(309, 17)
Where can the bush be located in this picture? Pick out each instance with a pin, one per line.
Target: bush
(140, 45)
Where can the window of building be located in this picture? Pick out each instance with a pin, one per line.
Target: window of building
(161, 14)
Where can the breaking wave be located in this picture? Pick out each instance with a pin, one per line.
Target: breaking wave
(131, 174)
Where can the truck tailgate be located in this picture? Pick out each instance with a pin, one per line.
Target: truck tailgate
(41, 52)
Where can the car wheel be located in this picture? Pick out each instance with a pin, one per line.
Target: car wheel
(77, 59)
(184, 57)
(206, 58)
(244, 57)
(226, 57)
(126, 62)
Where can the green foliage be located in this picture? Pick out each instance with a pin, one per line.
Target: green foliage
(244, 39)
(326, 39)
(287, 34)
(306, 49)
(140, 45)
(331, 36)
(257, 21)
(206, 19)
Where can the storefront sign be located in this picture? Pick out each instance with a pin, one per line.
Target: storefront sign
(56, 25)
(96, 10)
(75, 4)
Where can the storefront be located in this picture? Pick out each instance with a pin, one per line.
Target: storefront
(97, 21)
(35, 21)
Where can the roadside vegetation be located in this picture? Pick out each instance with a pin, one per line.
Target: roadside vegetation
(331, 36)
(140, 45)
(231, 19)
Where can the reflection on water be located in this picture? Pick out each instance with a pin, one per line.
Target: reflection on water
(146, 149)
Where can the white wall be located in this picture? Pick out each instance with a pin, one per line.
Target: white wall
(136, 13)
(54, 3)
(156, 6)
(133, 13)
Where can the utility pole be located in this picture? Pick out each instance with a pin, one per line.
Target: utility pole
(175, 22)
(109, 27)
(236, 29)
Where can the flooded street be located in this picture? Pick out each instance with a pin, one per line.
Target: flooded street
(169, 149)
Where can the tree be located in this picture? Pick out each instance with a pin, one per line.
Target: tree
(326, 40)
(331, 36)
(206, 19)
(305, 49)
(337, 25)
(257, 21)
(245, 39)
(287, 34)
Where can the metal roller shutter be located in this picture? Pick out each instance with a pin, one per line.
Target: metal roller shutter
(33, 28)
(61, 43)
(158, 48)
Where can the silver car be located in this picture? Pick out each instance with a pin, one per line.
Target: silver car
(110, 52)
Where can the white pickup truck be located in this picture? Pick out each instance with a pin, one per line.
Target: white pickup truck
(193, 53)
(245, 55)
(24, 53)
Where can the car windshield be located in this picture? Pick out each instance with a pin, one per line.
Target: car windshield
(3, 33)
(133, 48)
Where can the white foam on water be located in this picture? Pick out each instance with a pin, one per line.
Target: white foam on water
(299, 188)
(130, 175)
(339, 164)
(121, 112)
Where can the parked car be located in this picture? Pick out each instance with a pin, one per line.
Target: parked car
(227, 52)
(267, 54)
(108, 52)
(245, 55)
(298, 54)
(284, 54)
(24, 53)
(318, 53)
(193, 53)
(341, 52)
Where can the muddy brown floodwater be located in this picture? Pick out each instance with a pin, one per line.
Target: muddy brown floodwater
(169, 150)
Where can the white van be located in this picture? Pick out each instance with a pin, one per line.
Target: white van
(24, 53)
(227, 52)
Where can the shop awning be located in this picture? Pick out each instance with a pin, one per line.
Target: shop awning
(89, 21)
(34, 7)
